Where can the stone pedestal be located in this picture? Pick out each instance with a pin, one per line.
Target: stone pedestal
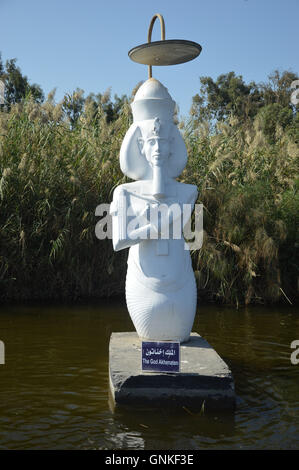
(204, 382)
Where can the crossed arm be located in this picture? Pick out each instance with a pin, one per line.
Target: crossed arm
(152, 222)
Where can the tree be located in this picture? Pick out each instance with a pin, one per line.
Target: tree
(17, 85)
(110, 108)
(278, 88)
(229, 96)
(73, 105)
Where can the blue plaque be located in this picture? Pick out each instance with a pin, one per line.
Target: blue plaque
(160, 356)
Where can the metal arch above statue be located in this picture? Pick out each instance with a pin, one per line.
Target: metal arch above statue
(164, 52)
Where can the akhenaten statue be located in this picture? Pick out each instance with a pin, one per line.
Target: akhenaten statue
(160, 284)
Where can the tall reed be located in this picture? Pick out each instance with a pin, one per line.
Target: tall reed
(53, 175)
(249, 189)
(52, 179)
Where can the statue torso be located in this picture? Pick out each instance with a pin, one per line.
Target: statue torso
(161, 264)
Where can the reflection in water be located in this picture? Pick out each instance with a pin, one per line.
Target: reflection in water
(165, 429)
(54, 385)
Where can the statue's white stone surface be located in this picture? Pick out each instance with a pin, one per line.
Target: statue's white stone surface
(160, 283)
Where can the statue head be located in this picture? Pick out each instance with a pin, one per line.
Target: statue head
(153, 140)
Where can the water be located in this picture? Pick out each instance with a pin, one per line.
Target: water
(54, 384)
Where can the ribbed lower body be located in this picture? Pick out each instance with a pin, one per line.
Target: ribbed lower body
(159, 316)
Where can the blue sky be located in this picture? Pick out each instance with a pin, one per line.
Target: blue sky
(67, 44)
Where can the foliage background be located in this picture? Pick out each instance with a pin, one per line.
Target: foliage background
(58, 161)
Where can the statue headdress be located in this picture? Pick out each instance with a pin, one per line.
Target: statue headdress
(153, 110)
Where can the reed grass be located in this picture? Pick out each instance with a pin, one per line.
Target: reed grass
(52, 179)
(249, 189)
(53, 175)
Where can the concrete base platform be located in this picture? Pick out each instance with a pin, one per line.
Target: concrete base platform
(204, 382)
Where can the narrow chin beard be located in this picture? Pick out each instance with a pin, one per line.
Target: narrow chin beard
(158, 186)
(158, 164)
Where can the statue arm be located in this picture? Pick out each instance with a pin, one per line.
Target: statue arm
(122, 235)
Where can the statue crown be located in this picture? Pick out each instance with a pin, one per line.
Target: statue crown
(156, 127)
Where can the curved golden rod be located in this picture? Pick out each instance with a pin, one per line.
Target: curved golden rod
(149, 34)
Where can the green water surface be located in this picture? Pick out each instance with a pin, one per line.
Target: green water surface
(54, 383)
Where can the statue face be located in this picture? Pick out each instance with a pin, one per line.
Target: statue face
(156, 150)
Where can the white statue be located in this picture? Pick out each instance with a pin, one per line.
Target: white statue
(160, 284)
